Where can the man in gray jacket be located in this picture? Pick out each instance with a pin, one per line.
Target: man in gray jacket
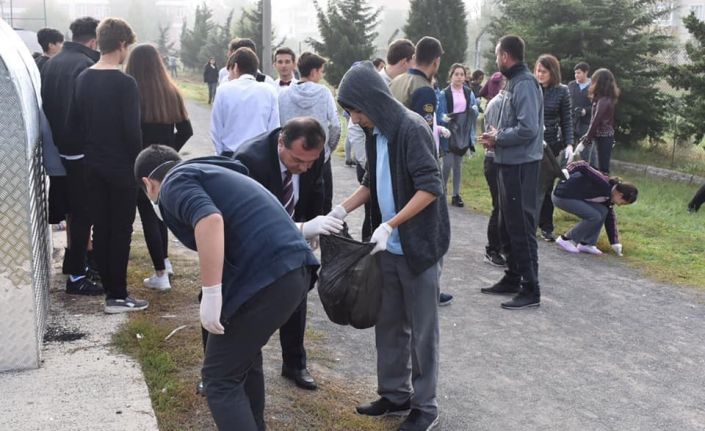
(412, 232)
(308, 98)
(518, 147)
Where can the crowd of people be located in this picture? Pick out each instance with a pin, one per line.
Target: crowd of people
(255, 209)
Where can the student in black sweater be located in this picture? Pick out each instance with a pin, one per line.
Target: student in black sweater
(164, 122)
(106, 109)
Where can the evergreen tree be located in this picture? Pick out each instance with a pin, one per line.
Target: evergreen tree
(193, 40)
(163, 45)
(250, 26)
(217, 44)
(691, 78)
(347, 35)
(617, 34)
(445, 20)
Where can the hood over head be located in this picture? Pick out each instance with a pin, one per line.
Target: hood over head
(362, 88)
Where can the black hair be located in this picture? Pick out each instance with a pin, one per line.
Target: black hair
(399, 50)
(153, 162)
(347, 107)
(46, 36)
(246, 60)
(309, 61)
(478, 74)
(513, 45)
(304, 127)
(83, 29)
(285, 51)
(628, 190)
(582, 66)
(377, 61)
(428, 49)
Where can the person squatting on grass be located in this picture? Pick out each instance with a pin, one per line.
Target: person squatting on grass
(591, 196)
(255, 266)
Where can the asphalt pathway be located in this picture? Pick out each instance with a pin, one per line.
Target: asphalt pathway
(607, 349)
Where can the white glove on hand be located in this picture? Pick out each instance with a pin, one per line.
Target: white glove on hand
(380, 237)
(314, 243)
(444, 132)
(579, 149)
(617, 249)
(565, 173)
(569, 154)
(211, 305)
(338, 212)
(321, 225)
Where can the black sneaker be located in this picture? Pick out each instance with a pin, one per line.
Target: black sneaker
(445, 299)
(457, 201)
(522, 301)
(419, 421)
(495, 259)
(508, 285)
(83, 286)
(114, 306)
(384, 407)
(548, 236)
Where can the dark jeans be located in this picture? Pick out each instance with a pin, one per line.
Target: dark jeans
(366, 223)
(327, 187)
(518, 200)
(698, 199)
(546, 213)
(212, 86)
(155, 232)
(78, 220)
(493, 237)
(603, 148)
(232, 368)
(112, 200)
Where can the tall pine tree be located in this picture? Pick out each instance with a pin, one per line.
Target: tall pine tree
(193, 40)
(347, 35)
(250, 26)
(617, 34)
(691, 78)
(445, 20)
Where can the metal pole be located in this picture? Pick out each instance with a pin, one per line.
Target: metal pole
(267, 37)
(12, 20)
(45, 13)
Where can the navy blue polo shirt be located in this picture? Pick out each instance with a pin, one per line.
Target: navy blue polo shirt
(262, 243)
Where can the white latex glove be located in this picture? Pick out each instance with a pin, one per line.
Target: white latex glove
(380, 237)
(579, 149)
(569, 154)
(321, 225)
(338, 212)
(444, 132)
(565, 173)
(617, 249)
(211, 305)
(314, 243)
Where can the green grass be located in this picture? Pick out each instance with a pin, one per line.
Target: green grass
(689, 158)
(192, 87)
(659, 236)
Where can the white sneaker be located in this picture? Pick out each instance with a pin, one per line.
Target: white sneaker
(167, 267)
(589, 249)
(567, 245)
(158, 283)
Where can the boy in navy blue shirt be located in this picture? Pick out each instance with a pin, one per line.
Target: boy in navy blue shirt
(255, 267)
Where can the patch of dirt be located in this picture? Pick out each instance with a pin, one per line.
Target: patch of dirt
(59, 334)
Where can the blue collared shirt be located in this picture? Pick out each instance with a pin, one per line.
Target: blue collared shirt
(385, 195)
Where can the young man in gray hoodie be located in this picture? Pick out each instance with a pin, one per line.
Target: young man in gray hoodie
(412, 232)
(308, 98)
(518, 146)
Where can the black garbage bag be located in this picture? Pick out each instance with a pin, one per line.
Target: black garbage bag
(349, 282)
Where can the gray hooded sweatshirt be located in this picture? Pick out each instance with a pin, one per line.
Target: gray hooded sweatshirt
(312, 100)
(412, 162)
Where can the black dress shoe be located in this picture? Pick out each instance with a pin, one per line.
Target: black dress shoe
(302, 378)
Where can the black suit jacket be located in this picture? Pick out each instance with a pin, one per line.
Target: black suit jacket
(261, 157)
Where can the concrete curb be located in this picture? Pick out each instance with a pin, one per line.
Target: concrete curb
(662, 173)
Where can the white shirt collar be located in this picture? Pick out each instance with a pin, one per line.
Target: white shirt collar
(282, 166)
(247, 76)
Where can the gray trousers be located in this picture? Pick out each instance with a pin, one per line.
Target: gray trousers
(454, 162)
(406, 334)
(592, 216)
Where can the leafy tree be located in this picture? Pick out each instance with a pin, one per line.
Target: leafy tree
(193, 40)
(217, 43)
(347, 35)
(691, 78)
(617, 34)
(250, 26)
(445, 20)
